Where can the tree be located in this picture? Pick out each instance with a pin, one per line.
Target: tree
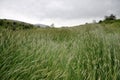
(111, 17)
(100, 21)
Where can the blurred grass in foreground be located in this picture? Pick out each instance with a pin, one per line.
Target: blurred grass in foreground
(90, 52)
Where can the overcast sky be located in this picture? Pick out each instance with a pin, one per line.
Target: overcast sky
(59, 12)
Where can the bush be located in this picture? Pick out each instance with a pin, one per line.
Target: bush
(111, 17)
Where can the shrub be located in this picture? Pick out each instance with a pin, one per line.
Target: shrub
(111, 17)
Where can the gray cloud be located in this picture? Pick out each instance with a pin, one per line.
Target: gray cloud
(58, 10)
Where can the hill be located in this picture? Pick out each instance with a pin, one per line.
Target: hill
(14, 24)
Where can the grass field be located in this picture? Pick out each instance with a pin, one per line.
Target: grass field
(88, 52)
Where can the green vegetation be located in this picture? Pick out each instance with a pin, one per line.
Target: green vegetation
(88, 52)
(14, 25)
(110, 19)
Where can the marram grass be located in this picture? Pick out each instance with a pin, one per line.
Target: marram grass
(90, 52)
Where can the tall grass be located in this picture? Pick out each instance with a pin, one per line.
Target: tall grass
(90, 52)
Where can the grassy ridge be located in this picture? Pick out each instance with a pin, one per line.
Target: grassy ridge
(14, 25)
(89, 52)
